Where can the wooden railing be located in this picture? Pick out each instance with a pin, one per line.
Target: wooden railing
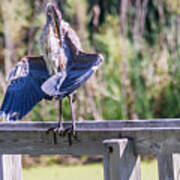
(120, 142)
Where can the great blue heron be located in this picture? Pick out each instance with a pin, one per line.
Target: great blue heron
(58, 73)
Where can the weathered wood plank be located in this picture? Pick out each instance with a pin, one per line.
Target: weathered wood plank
(165, 167)
(176, 164)
(97, 125)
(12, 169)
(1, 168)
(150, 137)
(169, 167)
(120, 161)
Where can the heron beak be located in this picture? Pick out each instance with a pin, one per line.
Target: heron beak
(57, 29)
(56, 17)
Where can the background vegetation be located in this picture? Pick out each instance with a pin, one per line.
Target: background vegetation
(139, 39)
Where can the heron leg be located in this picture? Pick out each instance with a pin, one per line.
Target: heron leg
(60, 128)
(72, 114)
(60, 123)
(71, 130)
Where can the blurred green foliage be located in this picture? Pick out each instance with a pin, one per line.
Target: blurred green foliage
(140, 41)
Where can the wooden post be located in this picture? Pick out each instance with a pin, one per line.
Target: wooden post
(169, 167)
(120, 161)
(10, 167)
(176, 163)
(1, 168)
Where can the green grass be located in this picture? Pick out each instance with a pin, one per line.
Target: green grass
(149, 170)
(82, 172)
(79, 172)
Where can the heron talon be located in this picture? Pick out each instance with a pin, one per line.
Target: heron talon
(50, 130)
(55, 130)
(70, 132)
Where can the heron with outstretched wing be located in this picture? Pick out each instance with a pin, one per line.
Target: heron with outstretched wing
(62, 69)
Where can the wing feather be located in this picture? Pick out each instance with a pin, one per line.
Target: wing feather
(80, 67)
(24, 91)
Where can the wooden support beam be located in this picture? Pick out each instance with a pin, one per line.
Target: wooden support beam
(149, 137)
(1, 168)
(169, 166)
(11, 167)
(176, 164)
(165, 167)
(120, 160)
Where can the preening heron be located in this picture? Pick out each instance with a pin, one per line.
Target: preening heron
(62, 69)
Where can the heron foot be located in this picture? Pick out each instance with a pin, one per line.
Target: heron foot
(69, 132)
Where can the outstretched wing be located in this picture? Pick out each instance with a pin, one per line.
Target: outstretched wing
(24, 91)
(80, 67)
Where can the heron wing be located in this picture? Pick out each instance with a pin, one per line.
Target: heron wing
(24, 91)
(79, 72)
(81, 66)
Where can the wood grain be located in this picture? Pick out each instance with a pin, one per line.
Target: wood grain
(120, 161)
(169, 167)
(12, 169)
(1, 168)
(150, 137)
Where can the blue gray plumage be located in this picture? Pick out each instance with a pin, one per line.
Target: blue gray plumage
(62, 69)
(79, 68)
(24, 91)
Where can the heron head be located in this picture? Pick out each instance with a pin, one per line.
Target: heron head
(52, 39)
(54, 17)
